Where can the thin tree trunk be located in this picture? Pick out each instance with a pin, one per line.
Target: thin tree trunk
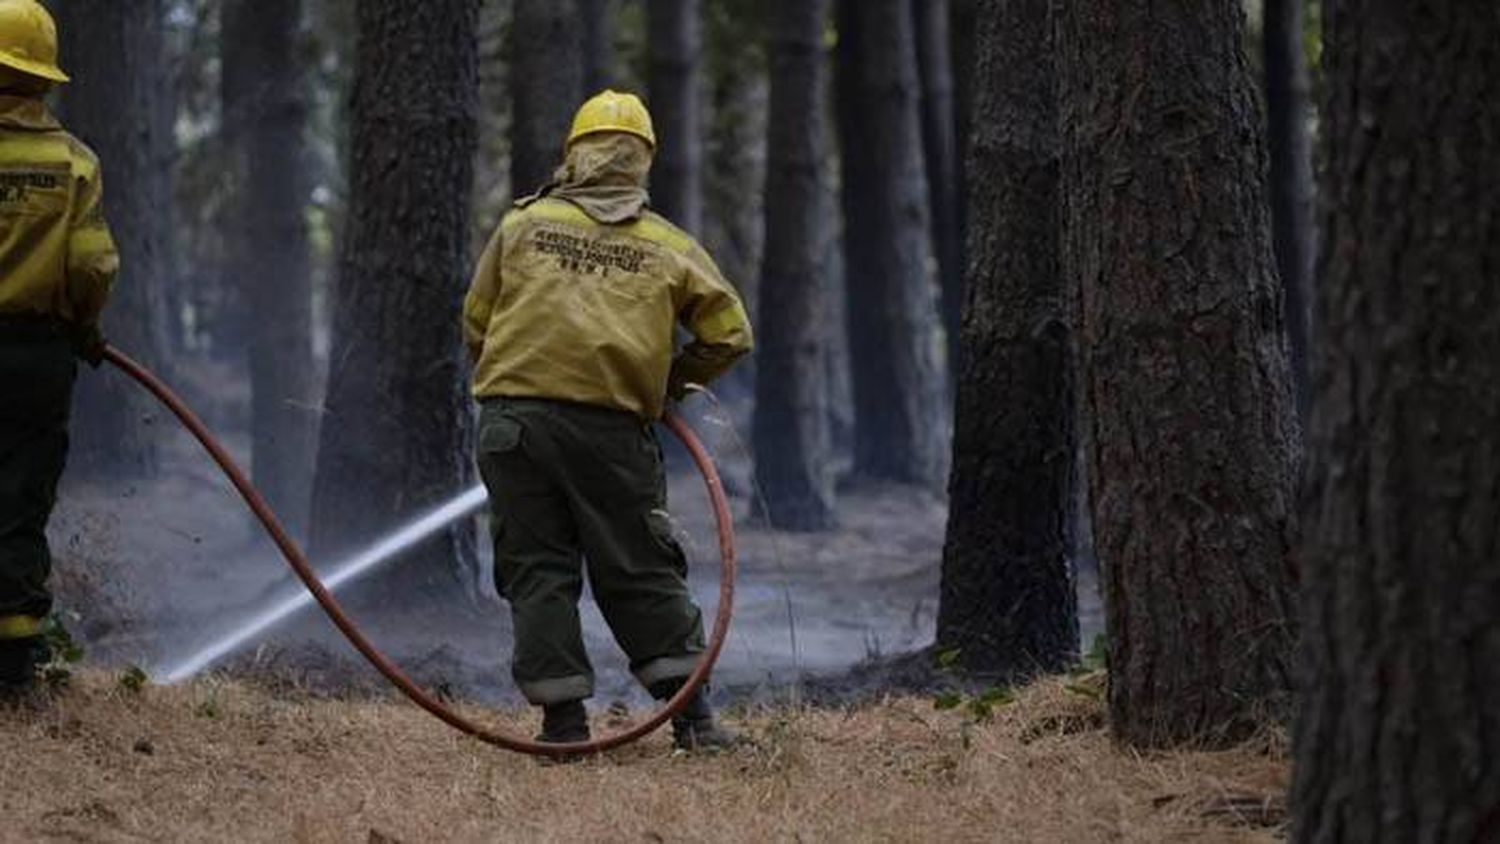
(1185, 383)
(598, 45)
(674, 80)
(1008, 598)
(941, 152)
(1291, 178)
(793, 453)
(1399, 732)
(395, 436)
(547, 87)
(120, 103)
(265, 117)
(894, 329)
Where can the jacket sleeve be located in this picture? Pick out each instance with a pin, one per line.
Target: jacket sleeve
(713, 313)
(93, 262)
(483, 291)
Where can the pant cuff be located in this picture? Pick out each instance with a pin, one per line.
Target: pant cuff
(20, 627)
(557, 689)
(666, 668)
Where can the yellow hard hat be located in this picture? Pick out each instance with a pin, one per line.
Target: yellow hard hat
(28, 40)
(613, 111)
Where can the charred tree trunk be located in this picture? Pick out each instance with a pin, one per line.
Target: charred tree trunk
(598, 45)
(895, 334)
(265, 116)
(1185, 383)
(674, 80)
(940, 148)
(1291, 178)
(121, 105)
(1399, 733)
(1008, 599)
(395, 435)
(793, 453)
(547, 87)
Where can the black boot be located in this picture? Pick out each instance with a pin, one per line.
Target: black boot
(694, 728)
(564, 723)
(18, 664)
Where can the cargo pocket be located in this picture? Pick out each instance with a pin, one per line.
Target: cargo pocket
(659, 523)
(499, 443)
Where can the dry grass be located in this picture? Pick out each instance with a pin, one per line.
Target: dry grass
(219, 761)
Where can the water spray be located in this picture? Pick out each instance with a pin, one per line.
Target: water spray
(322, 594)
(424, 526)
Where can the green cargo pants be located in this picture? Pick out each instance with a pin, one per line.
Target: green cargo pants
(571, 483)
(37, 370)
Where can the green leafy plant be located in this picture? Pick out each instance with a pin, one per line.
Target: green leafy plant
(133, 680)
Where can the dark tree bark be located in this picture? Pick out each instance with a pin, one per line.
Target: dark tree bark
(120, 103)
(894, 329)
(547, 87)
(941, 151)
(598, 18)
(793, 453)
(1008, 598)
(674, 80)
(1399, 732)
(395, 434)
(1183, 364)
(1291, 177)
(265, 117)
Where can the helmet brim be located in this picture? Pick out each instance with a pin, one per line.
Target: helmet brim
(41, 70)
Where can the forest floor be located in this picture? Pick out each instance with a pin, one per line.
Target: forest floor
(216, 760)
(153, 570)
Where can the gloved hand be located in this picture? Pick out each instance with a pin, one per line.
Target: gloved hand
(88, 345)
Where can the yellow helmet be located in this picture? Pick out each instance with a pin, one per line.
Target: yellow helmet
(612, 111)
(28, 40)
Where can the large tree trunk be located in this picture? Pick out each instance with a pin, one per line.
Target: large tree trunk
(793, 453)
(1399, 733)
(547, 87)
(1008, 599)
(265, 116)
(121, 105)
(1291, 177)
(941, 151)
(894, 330)
(598, 19)
(395, 430)
(1185, 383)
(674, 79)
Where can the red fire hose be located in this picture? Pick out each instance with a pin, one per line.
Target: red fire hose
(299, 563)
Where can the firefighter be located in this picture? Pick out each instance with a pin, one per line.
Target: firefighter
(57, 264)
(570, 322)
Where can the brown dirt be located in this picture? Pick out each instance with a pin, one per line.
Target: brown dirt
(221, 761)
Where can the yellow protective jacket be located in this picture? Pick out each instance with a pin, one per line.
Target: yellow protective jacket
(579, 292)
(57, 258)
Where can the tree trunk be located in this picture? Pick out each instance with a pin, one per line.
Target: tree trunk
(1185, 383)
(674, 79)
(598, 18)
(1399, 732)
(735, 173)
(894, 330)
(547, 86)
(121, 105)
(940, 148)
(793, 454)
(265, 116)
(395, 435)
(1291, 178)
(1008, 598)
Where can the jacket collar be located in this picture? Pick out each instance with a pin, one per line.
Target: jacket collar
(26, 113)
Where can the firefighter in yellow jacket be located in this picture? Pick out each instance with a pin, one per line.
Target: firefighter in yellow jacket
(57, 263)
(570, 322)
